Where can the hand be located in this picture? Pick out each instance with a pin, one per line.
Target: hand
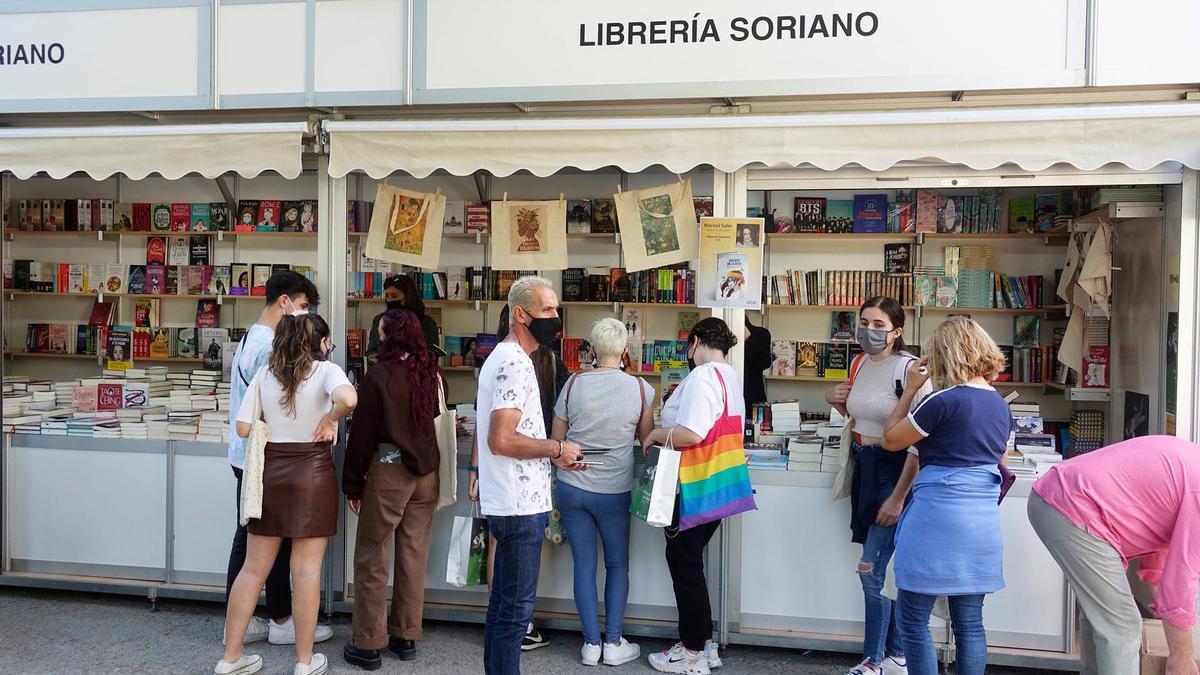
(354, 504)
(1181, 664)
(326, 431)
(571, 454)
(889, 512)
(838, 394)
(916, 378)
(473, 486)
(647, 442)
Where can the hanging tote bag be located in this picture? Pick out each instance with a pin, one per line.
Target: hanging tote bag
(466, 560)
(653, 498)
(445, 428)
(843, 481)
(714, 482)
(250, 501)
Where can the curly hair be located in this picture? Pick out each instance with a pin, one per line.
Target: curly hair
(715, 333)
(297, 344)
(960, 350)
(404, 340)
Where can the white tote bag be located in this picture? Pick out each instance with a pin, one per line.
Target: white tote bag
(666, 484)
(445, 427)
(252, 470)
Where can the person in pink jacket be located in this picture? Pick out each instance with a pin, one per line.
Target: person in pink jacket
(1139, 499)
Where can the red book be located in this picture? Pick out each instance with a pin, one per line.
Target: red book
(84, 399)
(206, 313)
(156, 250)
(268, 215)
(354, 343)
(181, 217)
(141, 342)
(102, 314)
(109, 396)
(1095, 367)
(141, 217)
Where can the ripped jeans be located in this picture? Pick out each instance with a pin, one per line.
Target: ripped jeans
(882, 631)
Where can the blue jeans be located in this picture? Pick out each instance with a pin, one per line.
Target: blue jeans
(966, 617)
(586, 515)
(514, 589)
(882, 628)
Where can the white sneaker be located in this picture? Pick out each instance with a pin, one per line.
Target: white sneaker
(863, 669)
(255, 630)
(891, 666)
(620, 652)
(589, 654)
(677, 659)
(285, 633)
(245, 665)
(710, 652)
(316, 666)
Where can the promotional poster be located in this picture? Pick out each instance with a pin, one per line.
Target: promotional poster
(731, 263)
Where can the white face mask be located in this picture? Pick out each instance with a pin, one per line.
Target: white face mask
(295, 310)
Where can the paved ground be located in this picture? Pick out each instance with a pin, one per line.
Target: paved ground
(52, 632)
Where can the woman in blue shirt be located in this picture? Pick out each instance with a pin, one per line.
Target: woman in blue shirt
(948, 539)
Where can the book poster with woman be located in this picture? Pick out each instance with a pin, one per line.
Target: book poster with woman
(658, 225)
(406, 227)
(731, 263)
(529, 235)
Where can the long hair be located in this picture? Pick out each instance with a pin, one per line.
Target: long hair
(412, 296)
(403, 340)
(959, 350)
(544, 369)
(297, 344)
(895, 314)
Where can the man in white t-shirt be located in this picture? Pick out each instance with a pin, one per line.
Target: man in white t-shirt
(514, 468)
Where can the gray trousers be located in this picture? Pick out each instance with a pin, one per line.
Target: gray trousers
(1110, 624)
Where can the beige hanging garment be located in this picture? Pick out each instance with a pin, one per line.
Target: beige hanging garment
(1095, 276)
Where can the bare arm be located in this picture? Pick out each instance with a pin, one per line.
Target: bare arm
(899, 433)
(1179, 647)
(645, 425)
(559, 432)
(243, 429)
(344, 398)
(836, 396)
(504, 440)
(680, 437)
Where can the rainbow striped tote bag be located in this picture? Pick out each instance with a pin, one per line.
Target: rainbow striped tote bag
(714, 482)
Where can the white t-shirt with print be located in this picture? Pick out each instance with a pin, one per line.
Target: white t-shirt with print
(507, 486)
(312, 402)
(697, 402)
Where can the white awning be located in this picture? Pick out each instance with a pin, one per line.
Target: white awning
(138, 151)
(1140, 136)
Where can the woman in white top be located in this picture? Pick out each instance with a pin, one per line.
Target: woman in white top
(603, 410)
(303, 396)
(881, 479)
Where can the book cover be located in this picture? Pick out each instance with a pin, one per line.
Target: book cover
(260, 273)
(897, 258)
(137, 279)
(289, 219)
(268, 215)
(185, 343)
(1045, 211)
(902, 213)
(228, 352)
(732, 274)
(160, 343)
(156, 250)
(579, 215)
(146, 312)
(620, 285)
(120, 348)
(806, 356)
(212, 341)
(56, 221)
(632, 318)
(75, 278)
(239, 279)
(484, 344)
(1026, 331)
(58, 338)
(30, 214)
(572, 284)
(220, 281)
(196, 283)
(839, 216)
(178, 250)
(809, 216)
(669, 380)
(173, 285)
(102, 313)
(783, 358)
(85, 399)
(122, 218)
(308, 215)
(198, 250)
(457, 286)
(354, 343)
(1095, 367)
(110, 396)
(181, 217)
(200, 218)
(685, 322)
(870, 213)
(950, 211)
(837, 361)
(141, 342)
(604, 215)
(478, 217)
(143, 217)
(946, 293)
(218, 217)
(703, 206)
(454, 219)
(1021, 214)
(842, 326)
(156, 279)
(927, 211)
(247, 215)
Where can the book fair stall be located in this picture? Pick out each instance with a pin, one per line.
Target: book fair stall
(136, 249)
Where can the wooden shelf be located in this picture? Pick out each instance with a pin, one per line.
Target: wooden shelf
(142, 233)
(1020, 385)
(832, 308)
(1061, 235)
(805, 378)
(665, 305)
(1049, 309)
(161, 296)
(93, 357)
(1117, 211)
(886, 236)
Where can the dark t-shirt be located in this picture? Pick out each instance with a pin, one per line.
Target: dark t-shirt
(962, 426)
(757, 354)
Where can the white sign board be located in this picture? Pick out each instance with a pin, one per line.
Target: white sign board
(535, 50)
(1137, 45)
(120, 59)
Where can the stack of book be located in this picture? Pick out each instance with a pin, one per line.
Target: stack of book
(214, 427)
(667, 285)
(1086, 431)
(839, 287)
(805, 453)
(204, 382)
(1136, 193)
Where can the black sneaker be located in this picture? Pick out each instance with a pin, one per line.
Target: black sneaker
(534, 640)
(405, 649)
(367, 659)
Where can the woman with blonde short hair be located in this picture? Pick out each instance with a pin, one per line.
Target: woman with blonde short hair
(603, 410)
(948, 539)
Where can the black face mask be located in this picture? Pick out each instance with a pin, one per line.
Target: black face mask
(395, 304)
(545, 330)
(691, 361)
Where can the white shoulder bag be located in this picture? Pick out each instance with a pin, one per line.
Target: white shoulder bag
(445, 428)
(252, 471)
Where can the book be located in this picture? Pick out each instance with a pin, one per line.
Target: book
(950, 210)
(897, 258)
(178, 250)
(454, 220)
(1095, 367)
(56, 221)
(156, 250)
(1046, 209)
(289, 219)
(783, 358)
(201, 218)
(836, 361)
(809, 216)
(211, 343)
(1026, 331)
(137, 279)
(669, 380)
(160, 343)
(478, 217)
(870, 213)
(484, 344)
(228, 352)
(839, 216)
(807, 354)
(160, 218)
(686, 321)
(268, 215)
(181, 217)
(102, 313)
(185, 343)
(218, 217)
(239, 279)
(197, 279)
(732, 274)
(147, 312)
(247, 215)
(219, 282)
(572, 284)
(632, 318)
(457, 285)
(260, 273)
(902, 213)
(1021, 214)
(842, 326)
(207, 313)
(110, 395)
(604, 215)
(579, 215)
(173, 286)
(927, 211)
(308, 215)
(156, 279)
(703, 206)
(946, 293)
(141, 342)
(620, 285)
(198, 250)
(119, 348)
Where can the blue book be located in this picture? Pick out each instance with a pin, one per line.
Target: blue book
(870, 214)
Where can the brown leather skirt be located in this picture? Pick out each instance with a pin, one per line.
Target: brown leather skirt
(300, 493)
